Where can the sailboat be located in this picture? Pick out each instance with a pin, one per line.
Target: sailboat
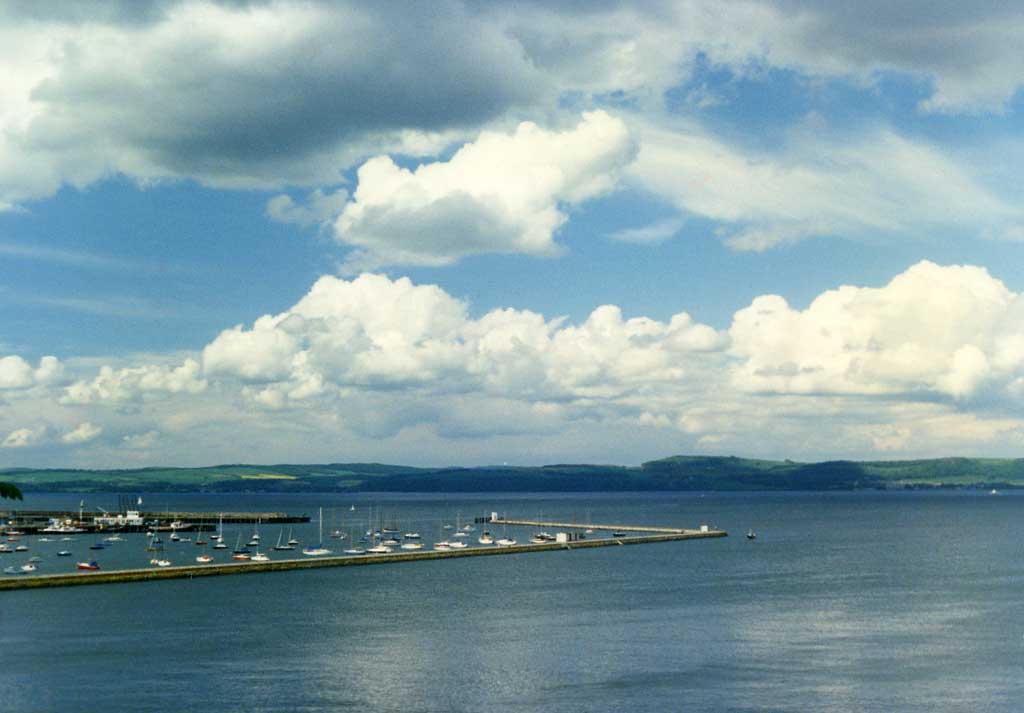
(254, 541)
(505, 540)
(218, 536)
(354, 550)
(240, 553)
(319, 550)
(336, 533)
(279, 546)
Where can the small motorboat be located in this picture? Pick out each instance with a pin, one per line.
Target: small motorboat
(751, 535)
(457, 545)
(64, 553)
(259, 557)
(442, 546)
(412, 545)
(241, 557)
(89, 565)
(204, 559)
(355, 551)
(161, 563)
(26, 568)
(21, 548)
(485, 538)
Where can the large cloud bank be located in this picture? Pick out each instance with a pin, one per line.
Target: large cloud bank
(394, 370)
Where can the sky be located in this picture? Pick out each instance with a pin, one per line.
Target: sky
(467, 233)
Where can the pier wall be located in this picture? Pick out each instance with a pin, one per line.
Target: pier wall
(211, 570)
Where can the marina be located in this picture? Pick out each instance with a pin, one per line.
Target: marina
(90, 571)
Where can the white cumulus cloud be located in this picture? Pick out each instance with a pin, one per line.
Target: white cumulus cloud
(949, 330)
(135, 383)
(83, 433)
(377, 333)
(500, 193)
(17, 373)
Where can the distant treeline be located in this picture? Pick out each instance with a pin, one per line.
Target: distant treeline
(675, 473)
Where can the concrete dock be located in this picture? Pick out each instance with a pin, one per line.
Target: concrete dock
(592, 526)
(208, 570)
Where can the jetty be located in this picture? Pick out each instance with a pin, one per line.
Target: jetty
(596, 527)
(210, 570)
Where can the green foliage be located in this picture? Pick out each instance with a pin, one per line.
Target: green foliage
(674, 473)
(10, 492)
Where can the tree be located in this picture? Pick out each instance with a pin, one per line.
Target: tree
(10, 491)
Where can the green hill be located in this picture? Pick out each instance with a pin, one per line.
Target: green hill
(674, 473)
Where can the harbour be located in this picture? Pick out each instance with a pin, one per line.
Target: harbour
(249, 567)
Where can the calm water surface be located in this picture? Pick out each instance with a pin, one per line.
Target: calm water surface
(845, 602)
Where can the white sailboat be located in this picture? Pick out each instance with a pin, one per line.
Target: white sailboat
(318, 550)
(505, 540)
(279, 546)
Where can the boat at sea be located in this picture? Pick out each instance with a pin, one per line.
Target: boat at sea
(204, 559)
(160, 563)
(485, 538)
(239, 549)
(91, 565)
(380, 549)
(318, 550)
(280, 546)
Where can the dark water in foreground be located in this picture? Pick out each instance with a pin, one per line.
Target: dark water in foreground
(845, 602)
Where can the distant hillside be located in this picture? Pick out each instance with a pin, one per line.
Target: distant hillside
(675, 473)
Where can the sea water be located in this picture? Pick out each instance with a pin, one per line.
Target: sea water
(844, 602)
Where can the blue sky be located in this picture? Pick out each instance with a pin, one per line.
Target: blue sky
(460, 232)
